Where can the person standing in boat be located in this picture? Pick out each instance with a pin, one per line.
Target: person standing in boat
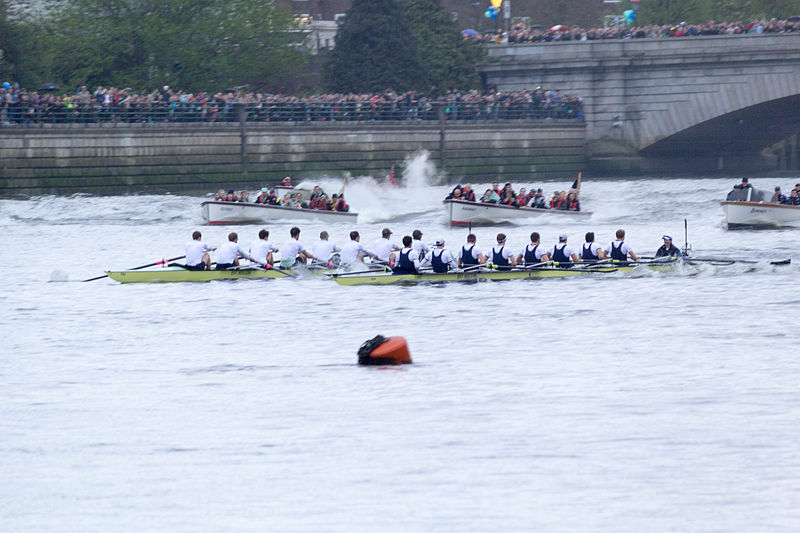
(502, 257)
(533, 253)
(562, 254)
(354, 252)
(197, 257)
(384, 247)
(591, 251)
(261, 250)
(440, 259)
(619, 250)
(229, 253)
(420, 247)
(293, 252)
(324, 248)
(470, 255)
(668, 249)
(408, 259)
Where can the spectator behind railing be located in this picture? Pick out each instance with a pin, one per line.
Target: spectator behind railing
(543, 35)
(109, 104)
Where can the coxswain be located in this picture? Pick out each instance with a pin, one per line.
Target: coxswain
(470, 255)
(407, 260)
(619, 250)
(324, 248)
(440, 259)
(420, 247)
(293, 252)
(261, 250)
(533, 253)
(562, 254)
(591, 251)
(668, 249)
(197, 257)
(354, 252)
(384, 247)
(502, 257)
(229, 253)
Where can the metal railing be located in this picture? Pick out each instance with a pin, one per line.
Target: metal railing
(282, 112)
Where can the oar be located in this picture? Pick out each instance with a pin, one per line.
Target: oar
(373, 271)
(259, 267)
(141, 267)
(731, 261)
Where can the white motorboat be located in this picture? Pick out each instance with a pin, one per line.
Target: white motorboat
(217, 212)
(760, 214)
(463, 212)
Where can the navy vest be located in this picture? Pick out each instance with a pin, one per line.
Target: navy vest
(587, 254)
(466, 256)
(405, 265)
(616, 252)
(498, 260)
(438, 265)
(560, 257)
(530, 254)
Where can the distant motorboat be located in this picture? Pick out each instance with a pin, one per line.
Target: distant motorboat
(746, 208)
(221, 212)
(463, 213)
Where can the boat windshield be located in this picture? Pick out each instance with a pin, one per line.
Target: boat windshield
(749, 194)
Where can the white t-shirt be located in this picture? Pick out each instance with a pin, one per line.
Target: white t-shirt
(446, 257)
(540, 251)
(420, 247)
(259, 249)
(383, 247)
(350, 252)
(503, 250)
(194, 252)
(594, 247)
(290, 250)
(625, 248)
(323, 250)
(475, 251)
(229, 252)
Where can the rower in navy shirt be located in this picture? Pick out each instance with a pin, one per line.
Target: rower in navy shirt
(502, 257)
(533, 253)
(470, 255)
(440, 259)
(408, 259)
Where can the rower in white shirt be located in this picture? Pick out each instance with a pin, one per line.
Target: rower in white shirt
(563, 254)
(534, 252)
(502, 257)
(470, 255)
(261, 250)
(384, 247)
(591, 251)
(440, 259)
(408, 259)
(323, 248)
(292, 251)
(619, 250)
(197, 257)
(229, 253)
(420, 247)
(354, 252)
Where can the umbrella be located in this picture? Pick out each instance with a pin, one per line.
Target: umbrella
(469, 31)
(794, 18)
(559, 27)
(50, 86)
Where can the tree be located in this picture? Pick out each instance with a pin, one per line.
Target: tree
(449, 62)
(192, 44)
(375, 50)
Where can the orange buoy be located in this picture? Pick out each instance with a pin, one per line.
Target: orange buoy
(384, 351)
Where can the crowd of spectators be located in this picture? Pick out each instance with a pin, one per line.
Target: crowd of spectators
(318, 199)
(563, 200)
(564, 33)
(110, 104)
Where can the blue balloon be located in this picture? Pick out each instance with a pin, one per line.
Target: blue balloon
(6, 85)
(488, 14)
(494, 16)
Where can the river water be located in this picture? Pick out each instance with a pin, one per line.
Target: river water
(640, 402)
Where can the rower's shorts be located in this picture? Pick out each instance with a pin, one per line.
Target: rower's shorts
(198, 266)
(224, 266)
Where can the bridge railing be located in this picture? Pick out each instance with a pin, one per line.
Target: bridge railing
(301, 112)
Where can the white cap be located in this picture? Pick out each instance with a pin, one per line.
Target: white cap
(562, 237)
(439, 242)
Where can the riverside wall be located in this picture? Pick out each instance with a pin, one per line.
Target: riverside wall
(115, 158)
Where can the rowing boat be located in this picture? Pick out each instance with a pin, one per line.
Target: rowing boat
(463, 213)
(179, 274)
(389, 278)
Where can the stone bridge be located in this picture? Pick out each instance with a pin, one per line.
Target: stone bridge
(695, 104)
